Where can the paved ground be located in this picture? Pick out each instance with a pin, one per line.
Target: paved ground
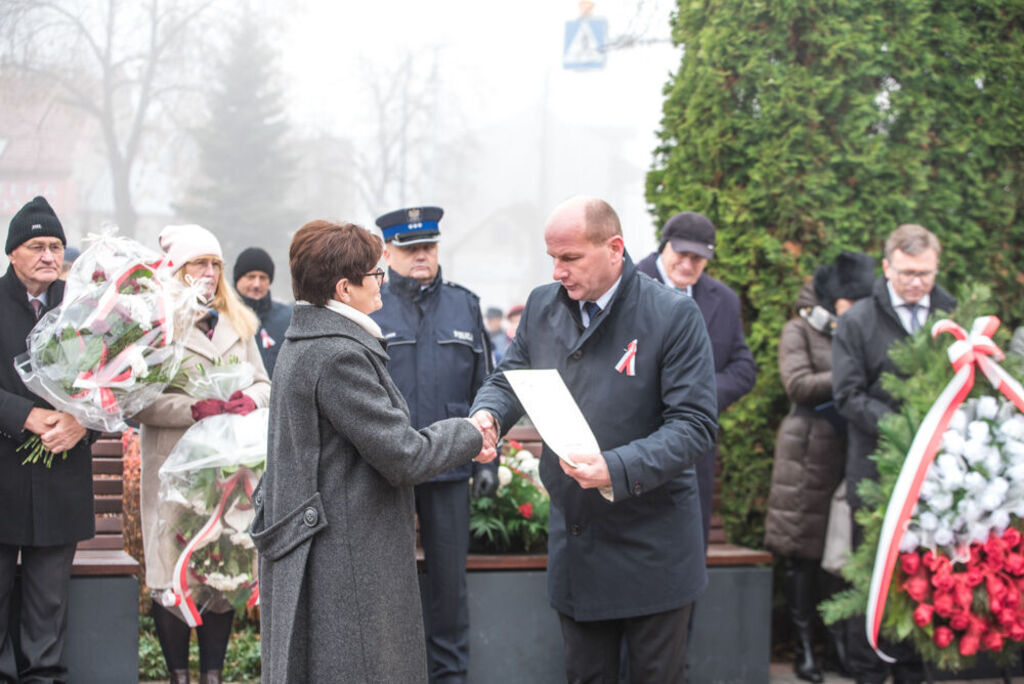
(782, 673)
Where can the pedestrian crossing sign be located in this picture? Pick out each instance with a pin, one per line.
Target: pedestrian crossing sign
(585, 42)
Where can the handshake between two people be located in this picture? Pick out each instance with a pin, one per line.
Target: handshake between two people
(485, 423)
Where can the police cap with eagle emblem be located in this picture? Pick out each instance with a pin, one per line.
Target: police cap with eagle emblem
(411, 226)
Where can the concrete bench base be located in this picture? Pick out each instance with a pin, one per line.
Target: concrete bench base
(515, 636)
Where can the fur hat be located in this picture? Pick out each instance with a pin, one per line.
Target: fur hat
(35, 219)
(851, 277)
(182, 243)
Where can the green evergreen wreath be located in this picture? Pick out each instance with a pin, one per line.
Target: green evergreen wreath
(948, 610)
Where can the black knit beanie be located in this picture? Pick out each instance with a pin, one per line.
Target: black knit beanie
(35, 219)
(254, 259)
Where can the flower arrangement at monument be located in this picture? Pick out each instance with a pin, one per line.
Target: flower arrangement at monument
(115, 341)
(205, 498)
(516, 517)
(942, 563)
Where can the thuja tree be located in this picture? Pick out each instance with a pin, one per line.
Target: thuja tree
(803, 127)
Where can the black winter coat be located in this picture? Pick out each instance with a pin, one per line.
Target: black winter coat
(438, 351)
(644, 552)
(274, 319)
(860, 355)
(38, 506)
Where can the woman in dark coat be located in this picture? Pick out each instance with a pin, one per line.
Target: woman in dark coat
(809, 447)
(334, 512)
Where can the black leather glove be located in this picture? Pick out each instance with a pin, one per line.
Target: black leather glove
(485, 482)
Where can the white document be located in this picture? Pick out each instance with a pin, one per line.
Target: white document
(555, 414)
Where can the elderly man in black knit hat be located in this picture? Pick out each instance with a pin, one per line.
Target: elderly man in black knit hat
(254, 272)
(44, 511)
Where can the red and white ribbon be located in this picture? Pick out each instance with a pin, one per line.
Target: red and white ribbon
(266, 339)
(971, 349)
(627, 363)
(180, 586)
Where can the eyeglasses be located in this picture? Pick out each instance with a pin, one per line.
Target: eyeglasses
(910, 276)
(202, 264)
(378, 274)
(38, 248)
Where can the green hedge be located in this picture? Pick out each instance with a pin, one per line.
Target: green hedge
(804, 127)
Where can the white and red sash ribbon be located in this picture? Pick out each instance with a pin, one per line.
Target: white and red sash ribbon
(266, 339)
(179, 581)
(627, 363)
(971, 349)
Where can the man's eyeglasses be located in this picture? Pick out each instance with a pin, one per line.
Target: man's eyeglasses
(55, 249)
(910, 276)
(378, 274)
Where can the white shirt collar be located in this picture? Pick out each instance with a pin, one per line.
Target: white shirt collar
(354, 315)
(41, 298)
(601, 301)
(898, 303)
(664, 276)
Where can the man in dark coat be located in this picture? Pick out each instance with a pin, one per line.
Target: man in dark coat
(687, 243)
(635, 356)
(439, 354)
(254, 272)
(898, 306)
(44, 511)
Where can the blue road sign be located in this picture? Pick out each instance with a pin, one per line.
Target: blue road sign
(585, 40)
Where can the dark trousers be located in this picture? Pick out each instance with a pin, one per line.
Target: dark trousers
(43, 615)
(443, 509)
(656, 645)
(706, 489)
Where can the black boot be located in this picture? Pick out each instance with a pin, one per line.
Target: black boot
(799, 588)
(213, 635)
(173, 634)
(835, 650)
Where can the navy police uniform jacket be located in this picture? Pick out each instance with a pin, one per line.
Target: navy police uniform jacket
(642, 553)
(39, 506)
(439, 351)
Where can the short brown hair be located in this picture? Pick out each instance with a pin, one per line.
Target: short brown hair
(602, 221)
(322, 253)
(912, 239)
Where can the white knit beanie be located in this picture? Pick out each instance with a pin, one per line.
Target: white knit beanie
(183, 243)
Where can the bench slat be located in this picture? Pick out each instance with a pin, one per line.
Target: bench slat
(103, 562)
(107, 504)
(108, 524)
(103, 541)
(107, 447)
(107, 466)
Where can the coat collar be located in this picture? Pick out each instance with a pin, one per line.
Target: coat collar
(940, 300)
(626, 285)
(311, 322)
(224, 337)
(15, 289)
(260, 306)
(410, 288)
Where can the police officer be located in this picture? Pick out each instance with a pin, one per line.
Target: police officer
(439, 356)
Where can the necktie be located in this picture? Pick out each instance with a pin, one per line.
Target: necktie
(915, 324)
(592, 310)
(37, 306)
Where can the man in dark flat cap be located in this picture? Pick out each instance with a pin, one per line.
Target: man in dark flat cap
(44, 511)
(439, 354)
(687, 244)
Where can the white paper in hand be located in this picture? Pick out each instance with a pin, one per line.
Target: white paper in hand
(555, 414)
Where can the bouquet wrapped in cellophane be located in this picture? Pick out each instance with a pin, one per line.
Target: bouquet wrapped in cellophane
(114, 343)
(206, 486)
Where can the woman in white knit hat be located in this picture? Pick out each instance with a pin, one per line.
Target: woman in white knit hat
(225, 329)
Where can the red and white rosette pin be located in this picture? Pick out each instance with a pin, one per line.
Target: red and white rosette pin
(266, 340)
(971, 349)
(627, 364)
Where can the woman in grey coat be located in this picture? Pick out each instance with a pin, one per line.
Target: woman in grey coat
(334, 512)
(810, 446)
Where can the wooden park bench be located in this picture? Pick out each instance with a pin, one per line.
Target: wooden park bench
(103, 618)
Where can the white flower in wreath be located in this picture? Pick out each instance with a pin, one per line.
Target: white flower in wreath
(243, 540)
(975, 482)
(974, 452)
(953, 442)
(942, 502)
(978, 431)
(504, 476)
(987, 407)
(1012, 428)
(951, 470)
(138, 363)
(943, 536)
(958, 423)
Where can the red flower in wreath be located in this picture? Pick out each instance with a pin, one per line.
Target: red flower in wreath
(923, 614)
(526, 510)
(943, 637)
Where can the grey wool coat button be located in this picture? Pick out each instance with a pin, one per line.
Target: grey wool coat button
(576, 355)
(258, 499)
(310, 517)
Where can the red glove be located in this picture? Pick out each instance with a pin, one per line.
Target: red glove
(240, 403)
(208, 407)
